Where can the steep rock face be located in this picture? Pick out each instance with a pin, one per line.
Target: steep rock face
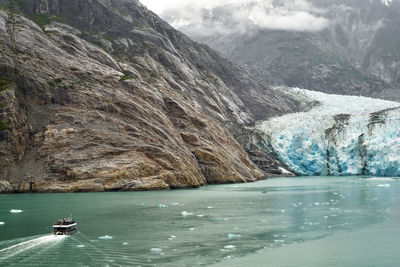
(356, 54)
(145, 111)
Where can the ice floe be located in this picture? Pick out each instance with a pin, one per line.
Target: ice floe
(185, 213)
(155, 250)
(383, 185)
(80, 246)
(105, 237)
(233, 236)
(1, 223)
(15, 211)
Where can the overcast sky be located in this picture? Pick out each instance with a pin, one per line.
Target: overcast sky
(194, 15)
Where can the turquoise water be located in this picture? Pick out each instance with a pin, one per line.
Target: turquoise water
(346, 221)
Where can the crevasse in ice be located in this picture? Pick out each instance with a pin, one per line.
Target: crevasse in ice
(341, 135)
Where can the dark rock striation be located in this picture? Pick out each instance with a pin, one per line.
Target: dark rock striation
(103, 95)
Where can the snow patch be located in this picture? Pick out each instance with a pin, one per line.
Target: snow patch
(387, 2)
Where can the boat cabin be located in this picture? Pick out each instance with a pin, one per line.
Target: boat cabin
(65, 227)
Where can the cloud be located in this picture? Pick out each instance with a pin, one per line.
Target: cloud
(208, 17)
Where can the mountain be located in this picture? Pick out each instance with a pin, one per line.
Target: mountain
(333, 46)
(103, 95)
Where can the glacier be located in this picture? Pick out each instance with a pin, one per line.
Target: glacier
(336, 135)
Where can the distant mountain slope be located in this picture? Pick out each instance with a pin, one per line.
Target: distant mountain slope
(103, 95)
(357, 53)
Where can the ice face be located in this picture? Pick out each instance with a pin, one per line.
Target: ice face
(342, 135)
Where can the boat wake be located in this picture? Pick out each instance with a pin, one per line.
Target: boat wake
(16, 249)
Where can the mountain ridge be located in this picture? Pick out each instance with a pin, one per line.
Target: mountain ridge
(89, 106)
(356, 54)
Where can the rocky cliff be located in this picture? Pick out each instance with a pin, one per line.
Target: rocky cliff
(103, 95)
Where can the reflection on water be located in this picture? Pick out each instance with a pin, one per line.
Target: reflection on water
(189, 227)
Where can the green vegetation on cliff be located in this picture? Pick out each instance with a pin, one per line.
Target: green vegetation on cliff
(4, 126)
(4, 82)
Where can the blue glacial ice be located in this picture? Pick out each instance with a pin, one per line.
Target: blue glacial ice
(341, 135)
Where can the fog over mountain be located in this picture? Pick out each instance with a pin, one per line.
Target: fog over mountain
(334, 46)
(209, 17)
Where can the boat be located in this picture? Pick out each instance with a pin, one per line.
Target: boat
(65, 226)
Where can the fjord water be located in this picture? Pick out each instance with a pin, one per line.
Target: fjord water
(308, 221)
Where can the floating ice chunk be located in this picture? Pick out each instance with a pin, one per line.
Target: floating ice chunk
(174, 204)
(233, 236)
(172, 237)
(15, 211)
(383, 185)
(106, 237)
(191, 229)
(162, 206)
(156, 250)
(210, 207)
(279, 241)
(231, 247)
(283, 211)
(200, 215)
(1, 223)
(316, 203)
(185, 213)
(125, 243)
(80, 246)
(326, 217)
